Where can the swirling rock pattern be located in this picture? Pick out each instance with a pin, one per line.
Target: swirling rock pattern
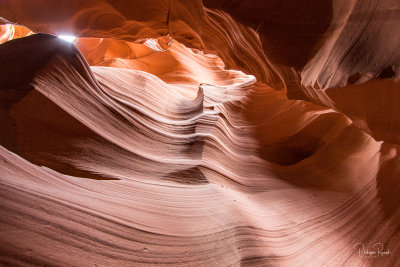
(189, 133)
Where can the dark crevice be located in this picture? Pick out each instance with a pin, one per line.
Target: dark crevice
(188, 176)
(386, 73)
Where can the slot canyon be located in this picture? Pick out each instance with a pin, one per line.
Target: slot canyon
(200, 133)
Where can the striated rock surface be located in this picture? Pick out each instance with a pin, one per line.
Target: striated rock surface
(200, 133)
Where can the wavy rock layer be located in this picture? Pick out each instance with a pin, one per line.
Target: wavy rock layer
(140, 145)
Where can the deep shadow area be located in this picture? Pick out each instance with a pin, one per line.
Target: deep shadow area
(188, 176)
(32, 126)
(42, 133)
(290, 31)
(386, 73)
(22, 57)
(290, 150)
